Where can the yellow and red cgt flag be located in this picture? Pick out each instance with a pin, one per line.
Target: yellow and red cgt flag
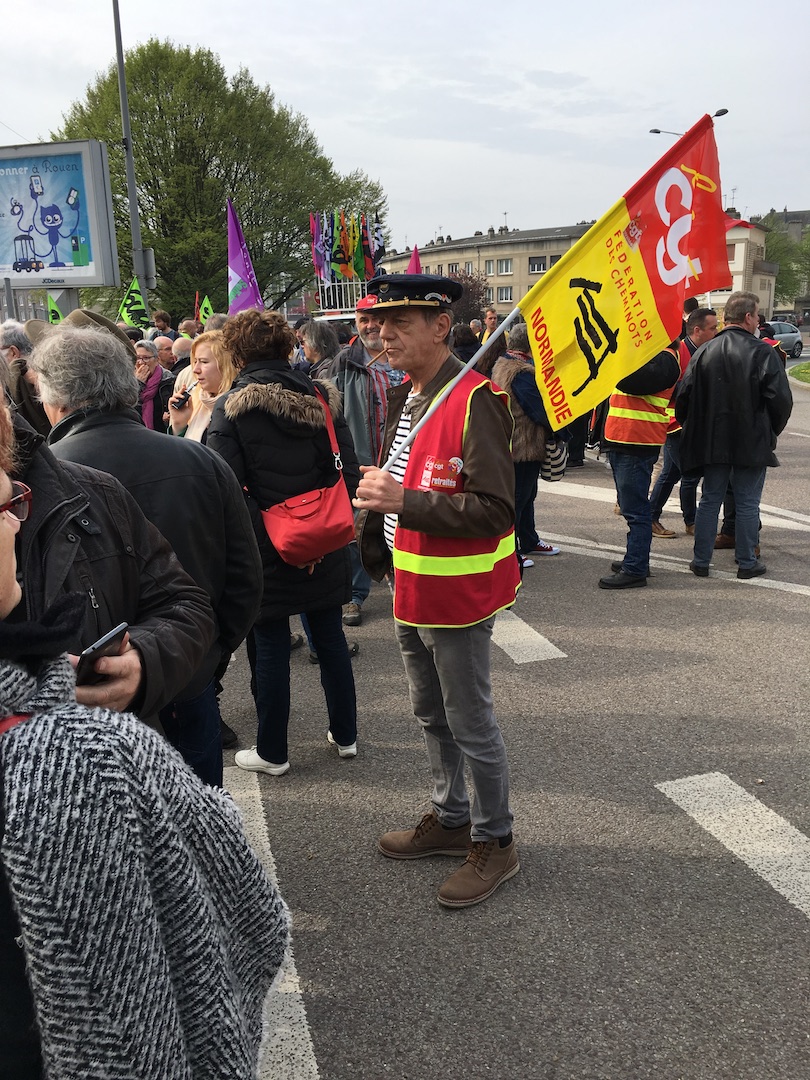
(615, 299)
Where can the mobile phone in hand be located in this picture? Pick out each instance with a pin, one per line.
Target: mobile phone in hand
(109, 645)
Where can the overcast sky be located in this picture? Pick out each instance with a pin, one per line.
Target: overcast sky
(466, 112)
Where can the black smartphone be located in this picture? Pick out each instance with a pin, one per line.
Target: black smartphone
(86, 675)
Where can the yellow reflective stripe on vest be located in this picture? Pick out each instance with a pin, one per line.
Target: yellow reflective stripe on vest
(636, 414)
(454, 565)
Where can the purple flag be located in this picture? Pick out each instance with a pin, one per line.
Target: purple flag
(243, 289)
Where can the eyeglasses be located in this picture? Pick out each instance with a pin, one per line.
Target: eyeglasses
(20, 502)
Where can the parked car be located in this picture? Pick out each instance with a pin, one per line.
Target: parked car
(789, 337)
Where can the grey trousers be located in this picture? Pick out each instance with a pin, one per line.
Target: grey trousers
(451, 695)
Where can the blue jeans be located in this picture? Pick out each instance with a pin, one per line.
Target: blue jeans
(526, 476)
(192, 727)
(669, 477)
(361, 581)
(747, 483)
(632, 474)
(272, 681)
(449, 683)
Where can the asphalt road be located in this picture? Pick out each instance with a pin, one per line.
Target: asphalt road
(634, 943)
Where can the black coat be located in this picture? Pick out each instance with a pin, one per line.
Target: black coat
(192, 496)
(86, 534)
(733, 401)
(270, 428)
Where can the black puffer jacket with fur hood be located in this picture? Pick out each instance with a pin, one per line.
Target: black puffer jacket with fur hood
(270, 428)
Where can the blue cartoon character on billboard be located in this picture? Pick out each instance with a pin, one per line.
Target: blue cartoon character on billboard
(48, 221)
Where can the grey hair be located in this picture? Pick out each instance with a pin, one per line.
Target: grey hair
(738, 305)
(215, 321)
(519, 338)
(322, 338)
(147, 346)
(13, 333)
(84, 369)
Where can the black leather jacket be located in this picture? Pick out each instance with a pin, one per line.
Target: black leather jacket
(193, 497)
(86, 534)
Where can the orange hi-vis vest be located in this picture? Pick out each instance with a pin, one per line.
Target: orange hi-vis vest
(450, 581)
(639, 421)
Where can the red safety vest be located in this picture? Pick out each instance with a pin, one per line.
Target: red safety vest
(640, 421)
(444, 580)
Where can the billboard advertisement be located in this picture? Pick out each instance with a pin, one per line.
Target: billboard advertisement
(56, 221)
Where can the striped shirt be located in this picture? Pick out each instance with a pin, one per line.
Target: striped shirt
(397, 470)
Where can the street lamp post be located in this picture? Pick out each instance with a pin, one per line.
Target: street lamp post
(678, 134)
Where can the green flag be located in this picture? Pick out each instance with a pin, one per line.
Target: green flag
(54, 314)
(358, 258)
(206, 311)
(133, 310)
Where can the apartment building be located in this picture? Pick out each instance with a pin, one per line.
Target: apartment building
(513, 260)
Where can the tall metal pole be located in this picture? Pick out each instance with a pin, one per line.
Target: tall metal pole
(138, 262)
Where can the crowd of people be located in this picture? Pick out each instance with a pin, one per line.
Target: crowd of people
(135, 473)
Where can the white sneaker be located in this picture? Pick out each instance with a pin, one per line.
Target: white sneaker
(526, 563)
(343, 751)
(252, 762)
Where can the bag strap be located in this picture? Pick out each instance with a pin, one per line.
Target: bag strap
(9, 722)
(330, 427)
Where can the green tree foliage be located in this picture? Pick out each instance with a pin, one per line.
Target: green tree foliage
(198, 138)
(793, 258)
(472, 303)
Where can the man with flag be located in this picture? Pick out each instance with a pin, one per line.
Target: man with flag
(443, 516)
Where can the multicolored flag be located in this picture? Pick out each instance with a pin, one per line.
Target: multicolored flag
(368, 248)
(341, 261)
(378, 241)
(243, 289)
(206, 311)
(197, 306)
(327, 224)
(54, 314)
(415, 264)
(356, 236)
(133, 310)
(615, 299)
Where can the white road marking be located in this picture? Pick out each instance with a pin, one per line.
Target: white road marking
(797, 434)
(766, 842)
(287, 1051)
(575, 545)
(772, 516)
(521, 642)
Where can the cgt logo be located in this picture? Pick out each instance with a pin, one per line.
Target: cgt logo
(674, 265)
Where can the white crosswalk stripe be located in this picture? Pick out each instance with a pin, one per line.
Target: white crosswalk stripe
(766, 842)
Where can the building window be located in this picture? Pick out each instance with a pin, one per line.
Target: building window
(730, 250)
(490, 295)
(554, 259)
(504, 266)
(537, 264)
(439, 270)
(452, 268)
(489, 267)
(468, 268)
(425, 270)
(505, 294)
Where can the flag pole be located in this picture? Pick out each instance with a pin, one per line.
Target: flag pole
(448, 389)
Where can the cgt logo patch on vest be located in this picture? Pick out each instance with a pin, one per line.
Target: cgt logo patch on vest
(440, 475)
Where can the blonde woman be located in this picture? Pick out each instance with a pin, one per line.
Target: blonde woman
(212, 375)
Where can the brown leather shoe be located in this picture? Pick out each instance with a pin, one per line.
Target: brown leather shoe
(690, 530)
(659, 530)
(488, 865)
(428, 838)
(723, 541)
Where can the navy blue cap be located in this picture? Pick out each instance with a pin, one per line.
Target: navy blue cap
(415, 290)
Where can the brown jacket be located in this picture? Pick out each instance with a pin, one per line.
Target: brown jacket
(529, 440)
(486, 507)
